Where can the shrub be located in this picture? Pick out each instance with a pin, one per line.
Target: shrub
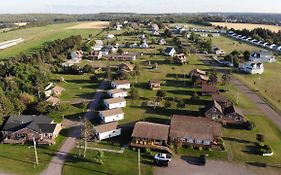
(200, 148)
(147, 151)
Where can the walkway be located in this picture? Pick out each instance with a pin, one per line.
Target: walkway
(56, 164)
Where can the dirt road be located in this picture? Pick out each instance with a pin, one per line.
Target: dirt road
(56, 164)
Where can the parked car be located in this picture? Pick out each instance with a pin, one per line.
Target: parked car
(163, 157)
(161, 162)
(202, 160)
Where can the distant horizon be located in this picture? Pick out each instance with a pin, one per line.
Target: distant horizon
(139, 6)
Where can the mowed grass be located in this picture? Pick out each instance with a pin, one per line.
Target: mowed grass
(228, 44)
(114, 163)
(35, 37)
(249, 26)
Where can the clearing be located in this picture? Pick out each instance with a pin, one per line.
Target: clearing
(90, 25)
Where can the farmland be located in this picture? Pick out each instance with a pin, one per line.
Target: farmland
(90, 25)
(241, 26)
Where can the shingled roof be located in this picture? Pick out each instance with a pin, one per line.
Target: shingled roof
(114, 100)
(106, 127)
(193, 127)
(231, 110)
(111, 112)
(149, 130)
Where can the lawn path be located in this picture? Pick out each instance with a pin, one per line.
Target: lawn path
(56, 164)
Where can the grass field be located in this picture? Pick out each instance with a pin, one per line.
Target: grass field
(241, 26)
(91, 25)
(35, 37)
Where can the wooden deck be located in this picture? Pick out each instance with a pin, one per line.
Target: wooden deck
(156, 147)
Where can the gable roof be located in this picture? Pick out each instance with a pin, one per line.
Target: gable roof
(106, 127)
(149, 130)
(193, 127)
(33, 122)
(53, 100)
(111, 112)
(214, 104)
(209, 89)
(231, 110)
(154, 82)
(198, 71)
(219, 98)
(116, 91)
(120, 82)
(114, 100)
(169, 49)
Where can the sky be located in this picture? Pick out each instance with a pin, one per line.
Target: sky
(138, 6)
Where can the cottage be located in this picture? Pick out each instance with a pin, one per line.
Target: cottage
(150, 134)
(222, 100)
(232, 115)
(262, 56)
(107, 130)
(214, 111)
(95, 55)
(253, 68)
(195, 131)
(207, 89)
(53, 100)
(218, 51)
(169, 51)
(154, 84)
(121, 84)
(123, 57)
(144, 45)
(113, 103)
(111, 115)
(197, 72)
(126, 67)
(109, 36)
(180, 59)
(98, 45)
(162, 41)
(21, 129)
(117, 93)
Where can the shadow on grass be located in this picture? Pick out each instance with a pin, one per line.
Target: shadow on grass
(257, 164)
(236, 140)
(191, 160)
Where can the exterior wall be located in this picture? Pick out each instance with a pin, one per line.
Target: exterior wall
(233, 119)
(25, 133)
(109, 134)
(121, 86)
(116, 105)
(112, 118)
(122, 94)
(191, 141)
(213, 114)
(145, 141)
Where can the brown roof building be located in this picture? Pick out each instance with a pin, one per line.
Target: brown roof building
(57, 90)
(126, 67)
(180, 58)
(154, 84)
(207, 89)
(194, 130)
(222, 100)
(53, 100)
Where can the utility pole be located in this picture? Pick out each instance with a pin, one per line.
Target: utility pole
(85, 142)
(237, 98)
(139, 167)
(79, 151)
(35, 151)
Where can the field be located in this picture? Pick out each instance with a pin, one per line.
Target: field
(90, 25)
(241, 26)
(35, 37)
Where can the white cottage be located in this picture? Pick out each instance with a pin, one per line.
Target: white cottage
(253, 68)
(121, 84)
(111, 115)
(108, 130)
(262, 56)
(113, 103)
(117, 93)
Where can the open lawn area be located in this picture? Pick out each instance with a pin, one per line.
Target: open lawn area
(113, 163)
(35, 37)
(19, 159)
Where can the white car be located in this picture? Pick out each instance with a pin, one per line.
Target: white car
(163, 157)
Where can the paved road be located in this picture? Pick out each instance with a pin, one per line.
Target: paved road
(56, 164)
(187, 166)
(254, 97)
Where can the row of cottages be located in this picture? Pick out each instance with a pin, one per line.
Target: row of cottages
(109, 118)
(189, 130)
(262, 56)
(22, 129)
(256, 42)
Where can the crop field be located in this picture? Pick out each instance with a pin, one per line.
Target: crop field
(90, 25)
(241, 26)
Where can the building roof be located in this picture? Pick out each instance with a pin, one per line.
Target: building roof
(111, 112)
(231, 110)
(57, 88)
(53, 100)
(149, 130)
(193, 127)
(169, 49)
(114, 100)
(206, 88)
(121, 82)
(219, 98)
(198, 71)
(106, 127)
(116, 91)
(127, 65)
(154, 82)
(214, 104)
(47, 128)
(33, 122)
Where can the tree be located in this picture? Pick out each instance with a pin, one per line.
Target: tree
(87, 134)
(213, 77)
(181, 104)
(260, 137)
(226, 78)
(246, 55)
(120, 51)
(167, 104)
(134, 93)
(167, 33)
(160, 95)
(43, 107)
(195, 96)
(108, 72)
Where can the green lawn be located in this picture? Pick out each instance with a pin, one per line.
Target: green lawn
(35, 37)
(114, 163)
(19, 159)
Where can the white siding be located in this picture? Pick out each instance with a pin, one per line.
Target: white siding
(109, 134)
(121, 94)
(121, 86)
(116, 105)
(112, 118)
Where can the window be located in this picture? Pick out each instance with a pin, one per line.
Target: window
(207, 142)
(198, 141)
(214, 110)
